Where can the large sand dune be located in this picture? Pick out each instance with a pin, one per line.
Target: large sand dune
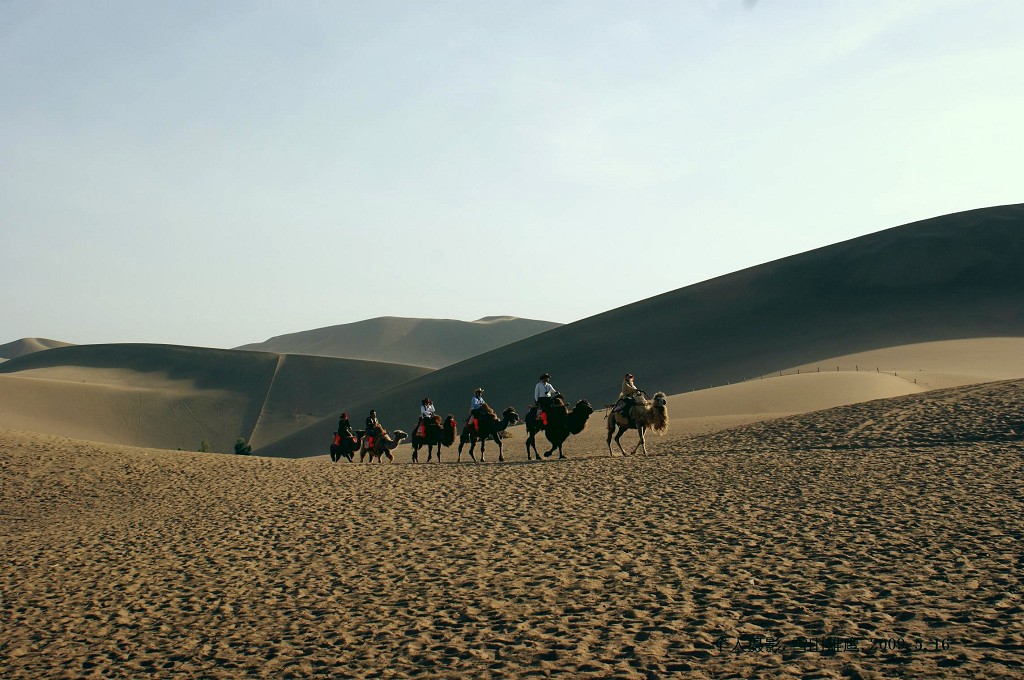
(936, 303)
(169, 397)
(950, 278)
(869, 541)
(419, 342)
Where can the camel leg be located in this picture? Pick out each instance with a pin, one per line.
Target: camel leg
(618, 437)
(640, 443)
(497, 440)
(416, 454)
(612, 425)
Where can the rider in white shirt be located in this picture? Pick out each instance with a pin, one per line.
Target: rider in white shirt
(476, 404)
(544, 388)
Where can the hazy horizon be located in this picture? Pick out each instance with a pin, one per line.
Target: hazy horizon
(217, 175)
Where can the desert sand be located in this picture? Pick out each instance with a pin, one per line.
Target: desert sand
(880, 539)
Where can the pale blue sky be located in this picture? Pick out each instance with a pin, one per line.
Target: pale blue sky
(218, 173)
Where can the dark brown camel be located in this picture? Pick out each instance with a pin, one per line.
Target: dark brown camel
(345, 447)
(490, 428)
(649, 415)
(436, 434)
(561, 424)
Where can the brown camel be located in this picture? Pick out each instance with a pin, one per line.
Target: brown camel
(345, 447)
(561, 423)
(382, 446)
(489, 428)
(435, 433)
(647, 415)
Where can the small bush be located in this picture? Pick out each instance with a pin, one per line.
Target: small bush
(241, 448)
(204, 446)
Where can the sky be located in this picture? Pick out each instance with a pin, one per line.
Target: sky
(217, 173)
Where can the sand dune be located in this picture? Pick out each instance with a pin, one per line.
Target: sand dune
(169, 397)
(13, 350)
(950, 278)
(420, 342)
(935, 302)
(794, 548)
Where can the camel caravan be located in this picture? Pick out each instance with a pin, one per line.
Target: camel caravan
(549, 414)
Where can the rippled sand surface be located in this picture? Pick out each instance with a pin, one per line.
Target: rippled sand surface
(875, 540)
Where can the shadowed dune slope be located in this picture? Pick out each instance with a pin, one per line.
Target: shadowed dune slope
(951, 277)
(420, 342)
(169, 396)
(13, 350)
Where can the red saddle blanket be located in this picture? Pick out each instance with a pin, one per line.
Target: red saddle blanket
(370, 441)
(476, 424)
(421, 431)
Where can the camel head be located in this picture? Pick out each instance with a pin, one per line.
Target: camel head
(510, 416)
(399, 435)
(583, 406)
(660, 409)
(580, 413)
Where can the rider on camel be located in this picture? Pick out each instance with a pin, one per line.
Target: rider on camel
(477, 406)
(427, 413)
(344, 426)
(542, 395)
(627, 395)
(374, 428)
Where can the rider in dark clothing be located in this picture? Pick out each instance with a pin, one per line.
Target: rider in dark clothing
(344, 426)
(373, 426)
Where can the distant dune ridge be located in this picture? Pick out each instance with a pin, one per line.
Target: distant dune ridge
(420, 342)
(13, 350)
(948, 278)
